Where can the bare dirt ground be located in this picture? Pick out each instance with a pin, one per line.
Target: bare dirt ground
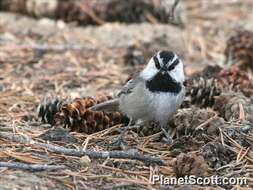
(43, 58)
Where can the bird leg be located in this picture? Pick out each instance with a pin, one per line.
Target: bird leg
(119, 142)
(167, 135)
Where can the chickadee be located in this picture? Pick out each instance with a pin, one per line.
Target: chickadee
(154, 94)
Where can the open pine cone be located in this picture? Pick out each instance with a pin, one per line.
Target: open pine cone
(216, 155)
(79, 118)
(201, 89)
(188, 120)
(47, 110)
(237, 80)
(201, 92)
(239, 49)
(234, 106)
(190, 164)
(113, 10)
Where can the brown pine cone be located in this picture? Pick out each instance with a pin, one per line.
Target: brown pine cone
(239, 49)
(216, 154)
(201, 89)
(97, 11)
(233, 106)
(38, 8)
(149, 129)
(79, 118)
(185, 144)
(201, 92)
(187, 120)
(190, 164)
(48, 109)
(208, 72)
(237, 80)
(13, 5)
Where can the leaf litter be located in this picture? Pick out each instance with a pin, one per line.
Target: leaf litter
(65, 64)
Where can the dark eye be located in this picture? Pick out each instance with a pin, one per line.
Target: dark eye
(157, 64)
(173, 65)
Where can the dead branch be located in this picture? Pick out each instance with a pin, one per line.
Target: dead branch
(31, 167)
(79, 153)
(91, 12)
(172, 10)
(103, 154)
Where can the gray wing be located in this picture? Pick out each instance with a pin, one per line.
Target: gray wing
(108, 106)
(113, 105)
(129, 86)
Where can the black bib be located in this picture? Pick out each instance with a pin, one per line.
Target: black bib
(163, 83)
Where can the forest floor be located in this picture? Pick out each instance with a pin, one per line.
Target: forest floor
(43, 58)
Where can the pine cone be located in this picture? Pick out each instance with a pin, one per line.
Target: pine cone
(201, 89)
(239, 49)
(48, 109)
(148, 129)
(217, 155)
(208, 72)
(235, 79)
(185, 144)
(97, 12)
(78, 117)
(190, 164)
(201, 92)
(187, 120)
(233, 106)
(13, 5)
(238, 134)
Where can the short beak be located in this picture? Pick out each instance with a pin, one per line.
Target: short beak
(163, 70)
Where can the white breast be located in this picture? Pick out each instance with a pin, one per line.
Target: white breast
(164, 105)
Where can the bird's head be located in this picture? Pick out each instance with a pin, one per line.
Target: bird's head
(164, 63)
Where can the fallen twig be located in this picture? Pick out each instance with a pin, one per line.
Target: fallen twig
(102, 154)
(91, 13)
(79, 153)
(31, 167)
(172, 10)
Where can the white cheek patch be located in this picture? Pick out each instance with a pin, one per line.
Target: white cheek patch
(150, 71)
(178, 72)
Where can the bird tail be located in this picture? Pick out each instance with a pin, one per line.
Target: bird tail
(108, 106)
